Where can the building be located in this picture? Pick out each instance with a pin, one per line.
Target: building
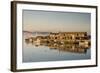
(69, 35)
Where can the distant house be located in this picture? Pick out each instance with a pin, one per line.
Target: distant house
(68, 35)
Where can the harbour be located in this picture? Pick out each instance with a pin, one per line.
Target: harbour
(56, 47)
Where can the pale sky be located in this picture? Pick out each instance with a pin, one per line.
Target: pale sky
(51, 21)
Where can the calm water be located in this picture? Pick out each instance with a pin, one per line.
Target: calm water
(37, 53)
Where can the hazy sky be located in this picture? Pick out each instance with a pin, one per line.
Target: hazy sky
(51, 21)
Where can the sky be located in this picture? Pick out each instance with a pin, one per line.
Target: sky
(54, 21)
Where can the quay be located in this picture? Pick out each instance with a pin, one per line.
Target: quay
(80, 38)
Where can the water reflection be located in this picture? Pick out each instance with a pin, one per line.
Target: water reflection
(75, 48)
